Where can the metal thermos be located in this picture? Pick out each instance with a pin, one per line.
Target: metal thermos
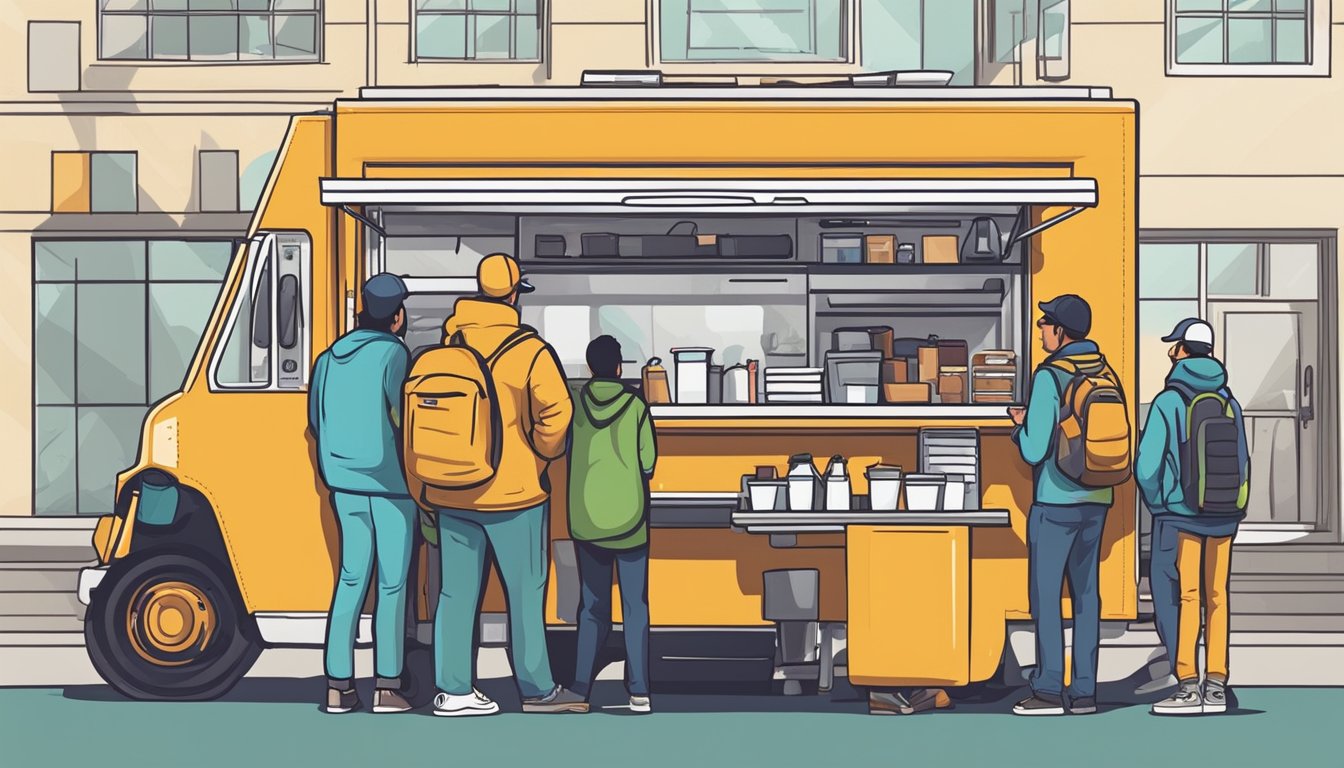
(804, 483)
(838, 497)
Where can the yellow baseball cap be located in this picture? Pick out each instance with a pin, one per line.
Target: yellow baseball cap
(499, 275)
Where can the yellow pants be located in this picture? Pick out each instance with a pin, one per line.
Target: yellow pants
(1204, 563)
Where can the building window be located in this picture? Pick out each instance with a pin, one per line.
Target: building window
(94, 182)
(919, 34)
(754, 30)
(53, 56)
(472, 30)
(217, 172)
(115, 325)
(210, 30)
(1247, 37)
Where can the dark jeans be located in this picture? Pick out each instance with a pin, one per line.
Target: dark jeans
(595, 573)
(1065, 541)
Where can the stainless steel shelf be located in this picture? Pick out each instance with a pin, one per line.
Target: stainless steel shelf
(794, 523)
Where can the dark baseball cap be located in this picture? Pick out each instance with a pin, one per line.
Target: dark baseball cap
(1069, 312)
(383, 295)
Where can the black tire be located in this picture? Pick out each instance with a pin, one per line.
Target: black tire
(192, 657)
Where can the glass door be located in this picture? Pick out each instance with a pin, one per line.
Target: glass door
(1271, 352)
(1268, 299)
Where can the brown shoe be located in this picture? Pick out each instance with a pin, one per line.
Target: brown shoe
(389, 702)
(887, 704)
(340, 702)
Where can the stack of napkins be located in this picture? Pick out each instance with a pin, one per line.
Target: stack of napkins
(793, 385)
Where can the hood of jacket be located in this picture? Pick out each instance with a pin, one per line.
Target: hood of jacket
(346, 347)
(1201, 374)
(604, 401)
(483, 323)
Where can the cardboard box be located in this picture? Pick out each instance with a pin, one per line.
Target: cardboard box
(879, 249)
(940, 249)
(907, 393)
(895, 371)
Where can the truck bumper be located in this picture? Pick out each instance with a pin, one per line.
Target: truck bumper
(89, 579)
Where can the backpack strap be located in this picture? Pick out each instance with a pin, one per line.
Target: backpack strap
(514, 339)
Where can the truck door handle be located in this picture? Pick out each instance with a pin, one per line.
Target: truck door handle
(1308, 406)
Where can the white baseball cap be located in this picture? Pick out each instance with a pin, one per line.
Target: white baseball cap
(1193, 330)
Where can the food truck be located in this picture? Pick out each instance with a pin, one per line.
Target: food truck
(815, 285)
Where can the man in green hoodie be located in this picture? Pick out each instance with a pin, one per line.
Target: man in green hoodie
(1192, 543)
(354, 411)
(610, 462)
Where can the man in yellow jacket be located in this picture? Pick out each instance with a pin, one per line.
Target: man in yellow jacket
(508, 514)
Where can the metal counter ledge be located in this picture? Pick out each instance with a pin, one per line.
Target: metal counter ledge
(782, 522)
(720, 510)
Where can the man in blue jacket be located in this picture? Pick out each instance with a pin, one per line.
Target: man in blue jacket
(1065, 523)
(354, 411)
(1192, 547)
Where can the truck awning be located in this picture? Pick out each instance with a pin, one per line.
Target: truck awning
(753, 196)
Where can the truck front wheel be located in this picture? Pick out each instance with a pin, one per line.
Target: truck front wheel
(169, 627)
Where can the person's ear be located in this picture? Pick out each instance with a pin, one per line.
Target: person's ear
(619, 369)
(399, 321)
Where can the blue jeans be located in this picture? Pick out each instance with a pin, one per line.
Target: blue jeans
(632, 569)
(371, 527)
(1065, 541)
(518, 540)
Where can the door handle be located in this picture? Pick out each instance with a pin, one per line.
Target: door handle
(1308, 406)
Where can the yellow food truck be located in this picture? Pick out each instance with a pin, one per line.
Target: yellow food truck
(836, 271)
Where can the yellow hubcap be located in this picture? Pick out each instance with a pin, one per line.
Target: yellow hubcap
(170, 623)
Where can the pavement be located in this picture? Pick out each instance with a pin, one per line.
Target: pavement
(266, 722)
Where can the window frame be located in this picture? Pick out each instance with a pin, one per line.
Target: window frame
(849, 43)
(318, 12)
(1318, 44)
(263, 251)
(543, 34)
(144, 283)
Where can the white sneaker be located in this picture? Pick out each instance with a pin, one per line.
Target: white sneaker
(474, 704)
(641, 704)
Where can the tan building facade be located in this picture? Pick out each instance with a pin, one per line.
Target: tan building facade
(137, 135)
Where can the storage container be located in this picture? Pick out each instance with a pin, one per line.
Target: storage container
(766, 495)
(924, 492)
(884, 487)
(842, 249)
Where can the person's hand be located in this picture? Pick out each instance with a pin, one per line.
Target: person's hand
(1018, 414)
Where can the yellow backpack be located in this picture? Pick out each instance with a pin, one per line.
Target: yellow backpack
(1094, 438)
(453, 428)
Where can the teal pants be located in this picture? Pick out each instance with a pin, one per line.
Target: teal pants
(519, 543)
(371, 527)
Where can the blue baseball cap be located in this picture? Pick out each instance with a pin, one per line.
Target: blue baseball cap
(1193, 330)
(1069, 312)
(383, 295)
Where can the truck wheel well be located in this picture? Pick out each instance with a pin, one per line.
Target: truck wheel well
(194, 525)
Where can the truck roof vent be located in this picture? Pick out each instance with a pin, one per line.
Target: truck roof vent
(623, 78)
(908, 78)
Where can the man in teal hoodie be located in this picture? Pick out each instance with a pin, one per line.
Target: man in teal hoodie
(610, 462)
(1190, 550)
(1065, 523)
(354, 411)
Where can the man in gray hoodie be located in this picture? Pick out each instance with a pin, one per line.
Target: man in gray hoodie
(354, 411)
